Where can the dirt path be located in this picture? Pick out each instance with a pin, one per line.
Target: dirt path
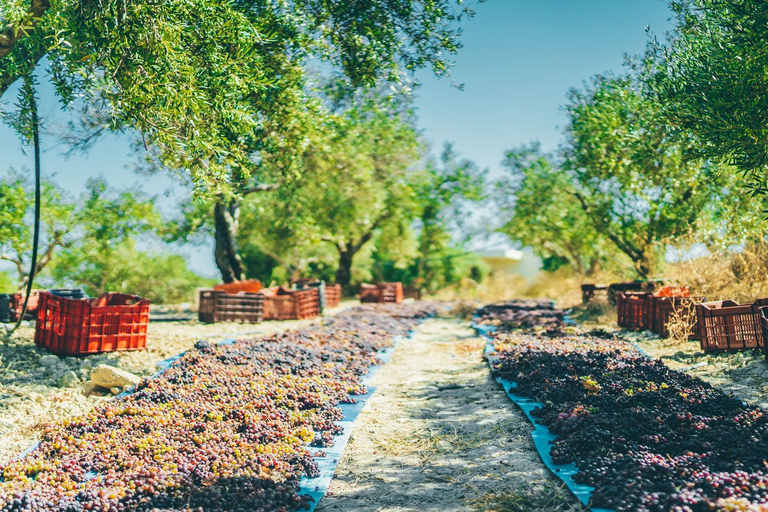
(439, 434)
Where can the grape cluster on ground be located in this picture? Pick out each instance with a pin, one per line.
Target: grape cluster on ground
(646, 437)
(224, 428)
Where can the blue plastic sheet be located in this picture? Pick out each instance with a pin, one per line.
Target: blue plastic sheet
(542, 437)
(318, 486)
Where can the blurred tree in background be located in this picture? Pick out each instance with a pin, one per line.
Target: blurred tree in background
(540, 209)
(445, 189)
(91, 242)
(628, 170)
(58, 222)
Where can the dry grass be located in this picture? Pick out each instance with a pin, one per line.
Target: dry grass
(562, 285)
(739, 276)
(682, 323)
(545, 497)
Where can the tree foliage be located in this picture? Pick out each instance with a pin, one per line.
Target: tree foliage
(712, 83)
(540, 209)
(628, 169)
(443, 191)
(210, 84)
(58, 221)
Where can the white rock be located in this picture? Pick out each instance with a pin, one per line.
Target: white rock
(69, 380)
(110, 377)
(116, 390)
(48, 360)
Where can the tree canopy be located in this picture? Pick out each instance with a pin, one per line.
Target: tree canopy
(711, 80)
(540, 209)
(212, 84)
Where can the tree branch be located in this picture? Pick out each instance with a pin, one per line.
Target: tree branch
(16, 261)
(369, 234)
(627, 248)
(14, 33)
(262, 187)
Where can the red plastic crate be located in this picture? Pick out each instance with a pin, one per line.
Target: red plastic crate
(284, 304)
(332, 295)
(71, 327)
(728, 325)
(247, 286)
(633, 311)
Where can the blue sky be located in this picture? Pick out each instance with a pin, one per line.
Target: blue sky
(519, 59)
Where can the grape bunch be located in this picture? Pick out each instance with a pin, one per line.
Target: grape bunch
(223, 428)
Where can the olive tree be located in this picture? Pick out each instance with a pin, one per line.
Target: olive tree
(629, 171)
(710, 80)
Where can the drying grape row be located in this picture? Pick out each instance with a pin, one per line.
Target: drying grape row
(538, 315)
(646, 437)
(224, 428)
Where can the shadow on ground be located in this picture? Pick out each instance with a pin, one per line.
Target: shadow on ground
(440, 434)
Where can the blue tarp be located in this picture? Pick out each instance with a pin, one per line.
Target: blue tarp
(317, 487)
(542, 437)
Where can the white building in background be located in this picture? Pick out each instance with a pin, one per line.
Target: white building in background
(512, 261)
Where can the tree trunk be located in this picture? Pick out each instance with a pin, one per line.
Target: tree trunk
(344, 272)
(644, 264)
(226, 215)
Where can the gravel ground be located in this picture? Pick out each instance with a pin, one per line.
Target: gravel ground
(439, 434)
(37, 387)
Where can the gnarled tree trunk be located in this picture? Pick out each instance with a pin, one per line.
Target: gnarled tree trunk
(226, 217)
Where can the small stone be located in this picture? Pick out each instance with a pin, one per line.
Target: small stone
(69, 380)
(87, 388)
(49, 360)
(116, 390)
(110, 377)
(86, 365)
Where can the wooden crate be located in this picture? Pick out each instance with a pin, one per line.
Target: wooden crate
(381, 292)
(369, 293)
(332, 295)
(218, 306)
(390, 292)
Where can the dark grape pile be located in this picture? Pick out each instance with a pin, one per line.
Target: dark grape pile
(648, 438)
(224, 428)
(539, 315)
